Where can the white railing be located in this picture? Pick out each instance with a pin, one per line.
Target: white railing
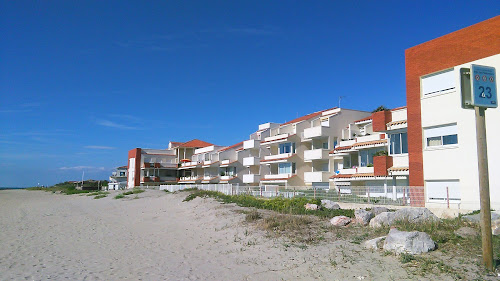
(365, 170)
(251, 144)
(251, 178)
(349, 171)
(316, 154)
(277, 176)
(251, 161)
(316, 176)
(277, 156)
(368, 138)
(373, 195)
(314, 132)
(347, 142)
(277, 137)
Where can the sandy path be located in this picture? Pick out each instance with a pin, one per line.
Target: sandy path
(48, 236)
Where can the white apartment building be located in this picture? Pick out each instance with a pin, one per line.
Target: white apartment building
(118, 179)
(450, 168)
(373, 152)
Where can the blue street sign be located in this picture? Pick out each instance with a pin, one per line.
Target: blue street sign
(484, 86)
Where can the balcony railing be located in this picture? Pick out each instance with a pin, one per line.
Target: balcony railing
(251, 178)
(365, 170)
(368, 138)
(314, 132)
(277, 157)
(251, 161)
(316, 177)
(315, 154)
(278, 176)
(275, 139)
(251, 144)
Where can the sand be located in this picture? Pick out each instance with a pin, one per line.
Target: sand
(47, 236)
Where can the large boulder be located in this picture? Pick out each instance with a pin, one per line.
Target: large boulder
(466, 232)
(340, 221)
(477, 217)
(495, 227)
(373, 243)
(414, 242)
(378, 210)
(382, 219)
(415, 215)
(329, 204)
(363, 216)
(310, 206)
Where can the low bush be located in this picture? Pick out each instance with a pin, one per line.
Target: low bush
(278, 204)
(119, 196)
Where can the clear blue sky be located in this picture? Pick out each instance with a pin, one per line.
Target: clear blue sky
(83, 82)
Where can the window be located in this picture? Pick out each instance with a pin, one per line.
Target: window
(122, 174)
(347, 162)
(398, 143)
(441, 135)
(366, 156)
(442, 191)
(438, 82)
(325, 145)
(286, 168)
(288, 147)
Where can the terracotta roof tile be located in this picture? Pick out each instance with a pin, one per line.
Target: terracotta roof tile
(370, 142)
(195, 143)
(306, 117)
(232, 146)
(398, 169)
(340, 176)
(364, 119)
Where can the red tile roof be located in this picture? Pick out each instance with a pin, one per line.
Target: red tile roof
(122, 167)
(306, 117)
(232, 146)
(364, 119)
(398, 108)
(195, 143)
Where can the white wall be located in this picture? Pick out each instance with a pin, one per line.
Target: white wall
(460, 161)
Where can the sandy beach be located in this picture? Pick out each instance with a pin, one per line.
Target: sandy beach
(49, 236)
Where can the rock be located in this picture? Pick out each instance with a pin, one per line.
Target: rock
(466, 232)
(329, 204)
(414, 242)
(340, 221)
(363, 216)
(477, 217)
(310, 206)
(378, 210)
(495, 227)
(373, 243)
(382, 219)
(415, 215)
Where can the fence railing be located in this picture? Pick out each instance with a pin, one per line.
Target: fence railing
(380, 195)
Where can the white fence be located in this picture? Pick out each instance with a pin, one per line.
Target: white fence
(400, 195)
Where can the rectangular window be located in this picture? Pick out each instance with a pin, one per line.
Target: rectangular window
(366, 156)
(347, 162)
(441, 135)
(325, 145)
(443, 190)
(288, 147)
(398, 143)
(286, 168)
(438, 82)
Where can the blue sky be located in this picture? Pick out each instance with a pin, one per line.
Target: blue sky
(83, 82)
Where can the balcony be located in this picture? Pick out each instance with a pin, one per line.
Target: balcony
(251, 178)
(251, 161)
(251, 144)
(227, 178)
(277, 178)
(209, 163)
(314, 132)
(225, 163)
(369, 138)
(275, 139)
(210, 179)
(187, 165)
(278, 158)
(316, 154)
(311, 177)
(365, 170)
(189, 179)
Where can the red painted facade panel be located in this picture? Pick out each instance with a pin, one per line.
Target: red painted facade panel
(136, 153)
(471, 43)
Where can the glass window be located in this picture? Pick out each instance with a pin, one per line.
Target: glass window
(398, 143)
(325, 145)
(287, 147)
(285, 168)
(363, 154)
(450, 139)
(441, 135)
(347, 162)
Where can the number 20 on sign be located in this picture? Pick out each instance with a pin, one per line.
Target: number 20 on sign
(484, 89)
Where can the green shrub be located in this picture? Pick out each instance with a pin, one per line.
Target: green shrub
(278, 204)
(119, 196)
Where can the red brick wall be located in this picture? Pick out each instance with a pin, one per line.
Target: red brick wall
(136, 153)
(471, 43)
(380, 119)
(381, 164)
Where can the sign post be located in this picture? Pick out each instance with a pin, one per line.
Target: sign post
(483, 95)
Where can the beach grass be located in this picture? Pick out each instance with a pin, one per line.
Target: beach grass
(119, 196)
(67, 188)
(282, 205)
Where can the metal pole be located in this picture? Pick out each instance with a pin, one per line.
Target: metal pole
(448, 197)
(484, 187)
